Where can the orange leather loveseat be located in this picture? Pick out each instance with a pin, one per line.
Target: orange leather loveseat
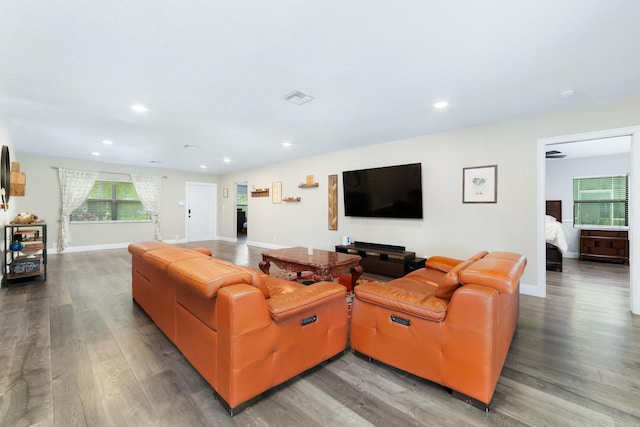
(244, 331)
(451, 322)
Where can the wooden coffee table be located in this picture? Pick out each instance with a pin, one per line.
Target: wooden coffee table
(322, 263)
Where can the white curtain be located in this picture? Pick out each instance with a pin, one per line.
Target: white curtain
(75, 186)
(148, 189)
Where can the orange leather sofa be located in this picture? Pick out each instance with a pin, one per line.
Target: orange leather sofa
(451, 322)
(244, 331)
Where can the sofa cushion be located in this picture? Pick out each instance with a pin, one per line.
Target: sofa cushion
(257, 277)
(405, 297)
(451, 281)
(140, 248)
(205, 277)
(441, 263)
(163, 257)
(479, 255)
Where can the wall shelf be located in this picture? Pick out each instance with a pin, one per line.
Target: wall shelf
(260, 192)
(314, 185)
(291, 199)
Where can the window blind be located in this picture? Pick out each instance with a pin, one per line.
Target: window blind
(601, 201)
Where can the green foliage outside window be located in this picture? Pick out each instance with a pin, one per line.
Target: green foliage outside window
(111, 201)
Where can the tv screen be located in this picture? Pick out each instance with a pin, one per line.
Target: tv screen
(387, 192)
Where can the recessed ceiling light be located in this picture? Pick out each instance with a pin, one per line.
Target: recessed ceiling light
(286, 144)
(203, 166)
(139, 108)
(440, 105)
(107, 141)
(95, 153)
(226, 160)
(568, 93)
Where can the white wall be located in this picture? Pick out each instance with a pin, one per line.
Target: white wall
(559, 186)
(43, 198)
(449, 227)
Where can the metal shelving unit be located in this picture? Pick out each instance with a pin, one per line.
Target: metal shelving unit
(30, 262)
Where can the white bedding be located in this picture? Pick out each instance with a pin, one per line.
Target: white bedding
(554, 234)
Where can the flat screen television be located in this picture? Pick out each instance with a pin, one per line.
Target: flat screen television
(386, 192)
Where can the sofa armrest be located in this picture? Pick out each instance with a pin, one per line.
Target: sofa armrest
(241, 309)
(472, 308)
(291, 304)
(477, 334)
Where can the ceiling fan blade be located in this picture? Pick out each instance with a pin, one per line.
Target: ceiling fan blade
(554, 154)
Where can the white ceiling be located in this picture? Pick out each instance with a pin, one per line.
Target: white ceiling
(213, 73)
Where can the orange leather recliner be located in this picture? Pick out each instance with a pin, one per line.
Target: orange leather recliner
(244, 331)
(451, 322)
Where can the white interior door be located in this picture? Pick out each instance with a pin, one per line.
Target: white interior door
(201, 211)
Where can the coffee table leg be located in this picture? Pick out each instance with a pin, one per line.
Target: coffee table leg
(356, 272)
(323, 275)
(264, 266)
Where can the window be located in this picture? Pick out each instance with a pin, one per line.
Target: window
(111, 201)
(601, 201)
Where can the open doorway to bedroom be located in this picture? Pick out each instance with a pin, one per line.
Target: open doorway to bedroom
(569, 161)
(242, 211)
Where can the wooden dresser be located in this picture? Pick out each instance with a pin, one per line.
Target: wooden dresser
(604, 245)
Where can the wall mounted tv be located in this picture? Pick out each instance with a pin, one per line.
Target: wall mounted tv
(386, 192)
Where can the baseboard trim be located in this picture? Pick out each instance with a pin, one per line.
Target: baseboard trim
(265, 245)
(527, 289)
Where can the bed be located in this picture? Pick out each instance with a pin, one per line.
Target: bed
(554, 235)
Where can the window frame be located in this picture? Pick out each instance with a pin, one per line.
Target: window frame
(113, 205)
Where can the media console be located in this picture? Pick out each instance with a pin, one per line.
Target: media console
(388, 260)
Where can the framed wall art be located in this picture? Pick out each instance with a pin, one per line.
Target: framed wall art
(480, 184)
(276, 195)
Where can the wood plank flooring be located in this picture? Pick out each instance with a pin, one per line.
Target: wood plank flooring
(76, 351)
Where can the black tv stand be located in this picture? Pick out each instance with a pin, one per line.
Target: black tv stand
(388, 260)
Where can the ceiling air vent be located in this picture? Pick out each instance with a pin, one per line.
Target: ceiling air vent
(297, 97)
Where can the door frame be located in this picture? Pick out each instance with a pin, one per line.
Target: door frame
(634, 206)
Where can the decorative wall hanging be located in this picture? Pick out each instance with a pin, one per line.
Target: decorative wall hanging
(5, 177)
(277, 192)
(480, 184)
(333, 202)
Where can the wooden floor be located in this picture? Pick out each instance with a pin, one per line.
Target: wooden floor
(78, 351)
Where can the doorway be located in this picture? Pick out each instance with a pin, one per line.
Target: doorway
(201, 211)
(546, 144)
(242, 210)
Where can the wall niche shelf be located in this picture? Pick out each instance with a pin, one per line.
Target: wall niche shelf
(260, 192)
(314, 185)
(292, 199)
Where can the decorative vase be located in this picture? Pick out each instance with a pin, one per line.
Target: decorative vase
(16, 246)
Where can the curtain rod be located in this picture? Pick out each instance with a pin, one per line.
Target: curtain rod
(113, 173)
